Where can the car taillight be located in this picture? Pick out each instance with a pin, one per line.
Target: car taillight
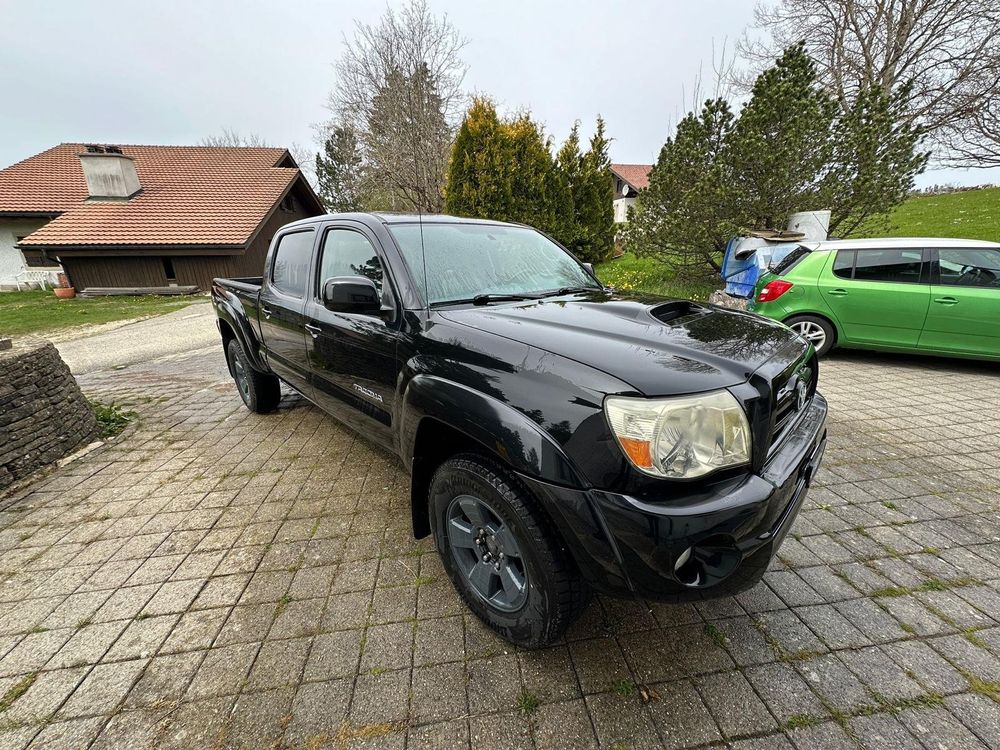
(772, 290)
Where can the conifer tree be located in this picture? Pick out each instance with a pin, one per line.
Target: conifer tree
(339, 170)
(594, 196)
(790, 149)
(504, 170)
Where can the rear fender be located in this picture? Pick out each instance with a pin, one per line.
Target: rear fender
(230, 311)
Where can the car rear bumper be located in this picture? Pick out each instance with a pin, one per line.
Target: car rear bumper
(713, 541)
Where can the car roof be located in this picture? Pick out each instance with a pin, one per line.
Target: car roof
(875, 243)
(393, 218)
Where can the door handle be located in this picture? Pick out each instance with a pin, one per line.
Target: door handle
(314, 331)
(946, 301)
(266, 311)
(837, 292)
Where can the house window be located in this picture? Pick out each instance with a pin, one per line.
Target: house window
(35, 258)
(287, 204)
(168, 270)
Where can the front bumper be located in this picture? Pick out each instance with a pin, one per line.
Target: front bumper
(626, 546)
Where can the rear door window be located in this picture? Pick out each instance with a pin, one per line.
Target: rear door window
(969, 267)
(290, 267)
(843, 264)
(899, 265)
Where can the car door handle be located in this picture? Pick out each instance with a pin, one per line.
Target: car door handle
(837, 292)
(946, 301)
(314, 331)
(266, 311)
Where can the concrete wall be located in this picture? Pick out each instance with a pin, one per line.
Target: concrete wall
(43, 415)
(11, 260)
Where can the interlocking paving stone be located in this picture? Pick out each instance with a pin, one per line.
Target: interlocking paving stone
(881, 732)
(620, 721)
(681, 716)
(506, 731)
(215, 578)
(734, 704)
(938, 730)
(785, 692)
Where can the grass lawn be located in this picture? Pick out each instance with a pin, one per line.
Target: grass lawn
(972, 214)
(630, 273)
(40, 312)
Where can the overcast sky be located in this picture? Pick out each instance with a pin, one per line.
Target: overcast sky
(157, 72)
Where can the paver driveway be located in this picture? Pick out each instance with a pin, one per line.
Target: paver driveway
(221, 579)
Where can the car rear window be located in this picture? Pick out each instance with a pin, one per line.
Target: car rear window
(791, 260)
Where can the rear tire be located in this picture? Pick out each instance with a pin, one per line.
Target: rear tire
(816, 330)
(496, 546)
(260, 391)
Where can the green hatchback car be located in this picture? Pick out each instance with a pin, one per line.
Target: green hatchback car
(930, 296)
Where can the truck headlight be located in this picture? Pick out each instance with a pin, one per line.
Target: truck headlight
(682, 437)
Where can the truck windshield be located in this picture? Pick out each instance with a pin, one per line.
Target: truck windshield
(465, 261)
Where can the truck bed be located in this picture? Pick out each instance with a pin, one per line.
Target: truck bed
(242, 284)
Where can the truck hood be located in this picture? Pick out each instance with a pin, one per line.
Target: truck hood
(658, 346)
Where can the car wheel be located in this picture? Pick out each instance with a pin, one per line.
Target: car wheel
(260, 391)
(497, 549)
(816, 330)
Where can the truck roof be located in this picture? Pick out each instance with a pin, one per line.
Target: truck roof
(400, 218)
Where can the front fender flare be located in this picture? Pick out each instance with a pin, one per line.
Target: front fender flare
(500, 428)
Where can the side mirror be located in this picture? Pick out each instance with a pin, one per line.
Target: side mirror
(356, 294)
(589, 267)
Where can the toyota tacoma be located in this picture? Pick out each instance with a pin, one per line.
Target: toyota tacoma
(561, 437)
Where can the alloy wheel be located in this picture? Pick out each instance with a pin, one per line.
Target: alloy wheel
(242, 378)
(812, 332)
(487, 553)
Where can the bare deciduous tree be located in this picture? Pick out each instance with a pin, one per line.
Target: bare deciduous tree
(399, 86)
(232, 138)
(943, 56)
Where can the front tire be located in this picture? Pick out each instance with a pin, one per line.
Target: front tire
(260, 391)
(816, 330)
(496, 547)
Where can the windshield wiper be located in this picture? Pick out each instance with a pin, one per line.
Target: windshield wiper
(571, 290)
(485, 299)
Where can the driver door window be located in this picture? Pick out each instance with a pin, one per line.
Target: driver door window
(349, 253)
(969, 267)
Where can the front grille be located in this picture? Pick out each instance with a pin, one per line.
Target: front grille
(793, 392)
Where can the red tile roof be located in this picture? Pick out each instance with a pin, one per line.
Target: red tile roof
(191, 195)
(636, 175)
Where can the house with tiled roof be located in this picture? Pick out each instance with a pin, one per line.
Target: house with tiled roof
(629, 180)
(147, 218)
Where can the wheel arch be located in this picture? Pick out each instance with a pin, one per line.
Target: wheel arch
(477, 423)
(233, 322)
(837, 335)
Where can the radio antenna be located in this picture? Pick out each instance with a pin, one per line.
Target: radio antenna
(417, 173)
(423, 255)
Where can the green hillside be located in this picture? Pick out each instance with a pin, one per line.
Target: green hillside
(973, 214)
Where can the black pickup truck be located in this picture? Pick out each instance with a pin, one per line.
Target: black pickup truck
(561, 437)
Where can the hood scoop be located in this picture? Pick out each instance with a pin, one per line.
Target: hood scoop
(672, 311)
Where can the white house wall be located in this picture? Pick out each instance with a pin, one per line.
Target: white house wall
(621, 209)
(11, 260)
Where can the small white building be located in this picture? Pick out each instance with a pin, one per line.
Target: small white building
(629, 180)
(29, 268)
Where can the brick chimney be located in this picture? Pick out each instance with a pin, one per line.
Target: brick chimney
(110, 174)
